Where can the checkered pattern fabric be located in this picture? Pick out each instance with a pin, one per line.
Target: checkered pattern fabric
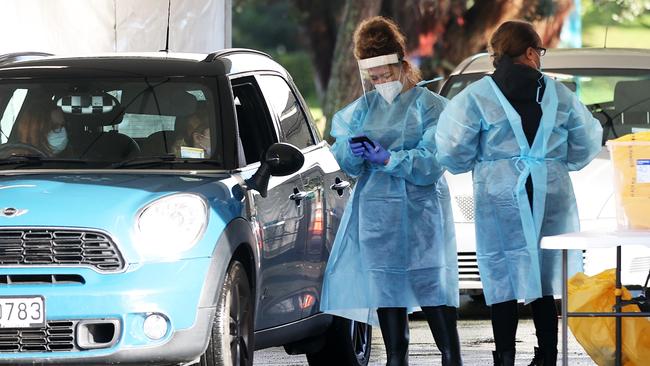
(86, 104)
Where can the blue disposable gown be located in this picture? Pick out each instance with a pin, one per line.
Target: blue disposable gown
(395, 246)
(481, 131)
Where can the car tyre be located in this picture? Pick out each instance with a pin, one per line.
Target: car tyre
(231, 340)
(347, 343)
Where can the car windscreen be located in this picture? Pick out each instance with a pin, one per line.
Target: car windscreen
(618, 98)
(138, 123)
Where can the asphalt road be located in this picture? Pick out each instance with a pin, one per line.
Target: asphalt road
(476, 343)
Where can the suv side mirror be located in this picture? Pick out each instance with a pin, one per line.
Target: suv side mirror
(279, 159)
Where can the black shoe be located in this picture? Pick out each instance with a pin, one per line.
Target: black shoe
(442, 321)
(544, 357)
(504, 358)
(395, 331)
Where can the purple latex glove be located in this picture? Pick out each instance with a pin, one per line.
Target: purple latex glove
(357, 148)
(377, 154)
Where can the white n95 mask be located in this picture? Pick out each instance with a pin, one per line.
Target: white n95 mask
(389, 90)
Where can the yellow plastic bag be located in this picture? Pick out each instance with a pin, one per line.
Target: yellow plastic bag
(631, 161)
(598, 335)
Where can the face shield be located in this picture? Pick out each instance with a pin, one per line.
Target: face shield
(383, 74)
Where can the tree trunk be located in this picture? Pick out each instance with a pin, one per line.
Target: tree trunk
(471, 35)
(318, 20)
(344, 85)
(549, 28)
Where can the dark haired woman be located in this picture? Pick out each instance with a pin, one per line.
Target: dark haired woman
(395, 249)
(520, 133)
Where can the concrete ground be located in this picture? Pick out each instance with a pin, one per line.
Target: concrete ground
(476, 343)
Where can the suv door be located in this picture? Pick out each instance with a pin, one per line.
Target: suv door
(319, 172)
(278, 216)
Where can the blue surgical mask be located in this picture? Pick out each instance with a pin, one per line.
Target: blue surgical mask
(57, 139)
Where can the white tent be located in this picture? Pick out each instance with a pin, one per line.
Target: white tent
(98, 26)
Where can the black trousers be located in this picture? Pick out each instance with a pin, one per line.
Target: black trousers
(505, 317)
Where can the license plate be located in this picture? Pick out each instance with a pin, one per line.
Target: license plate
(22, 312)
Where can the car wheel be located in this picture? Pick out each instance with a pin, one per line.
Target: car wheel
(231, 341)
(347, 343)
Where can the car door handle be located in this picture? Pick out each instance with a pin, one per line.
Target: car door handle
(340, 185)
(298, 196)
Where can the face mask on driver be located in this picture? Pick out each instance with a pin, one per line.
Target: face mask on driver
(390, 90)
(57, 139)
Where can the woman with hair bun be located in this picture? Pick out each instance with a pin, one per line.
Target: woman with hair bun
(520, 133)
(395, 249)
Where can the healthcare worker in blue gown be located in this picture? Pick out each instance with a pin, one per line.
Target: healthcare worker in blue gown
(395, 249)
(520, 133)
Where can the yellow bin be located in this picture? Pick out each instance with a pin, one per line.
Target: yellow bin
(631, 162)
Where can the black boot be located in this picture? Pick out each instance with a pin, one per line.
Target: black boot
(504, 358)
(546, 357)
(395, 331)
(442, 322)
(546, 327)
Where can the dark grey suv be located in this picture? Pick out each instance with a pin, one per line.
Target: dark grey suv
(164, 209)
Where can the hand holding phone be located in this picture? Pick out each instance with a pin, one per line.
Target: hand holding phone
(362, 138)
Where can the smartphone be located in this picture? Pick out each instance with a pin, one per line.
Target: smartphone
(363, 139)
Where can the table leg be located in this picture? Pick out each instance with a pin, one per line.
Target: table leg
(565, 318)
(617, 308)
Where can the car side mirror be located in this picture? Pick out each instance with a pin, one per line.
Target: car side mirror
(279, 159)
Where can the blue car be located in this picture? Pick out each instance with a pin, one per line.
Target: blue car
(164, 209)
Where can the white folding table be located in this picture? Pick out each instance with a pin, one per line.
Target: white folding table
(587, 240)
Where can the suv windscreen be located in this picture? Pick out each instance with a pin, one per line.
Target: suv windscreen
(618, 98)
(118, 123)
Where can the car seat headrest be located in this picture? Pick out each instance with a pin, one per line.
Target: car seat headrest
(632, 96)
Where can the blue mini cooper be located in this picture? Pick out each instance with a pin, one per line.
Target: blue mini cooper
(164, 209)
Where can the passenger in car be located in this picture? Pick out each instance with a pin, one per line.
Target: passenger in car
(520, 132)
(42, 126)
(193, 136)
(395, 248)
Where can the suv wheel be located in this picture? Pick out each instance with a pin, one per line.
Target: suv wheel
(231, 342)
(347, 343)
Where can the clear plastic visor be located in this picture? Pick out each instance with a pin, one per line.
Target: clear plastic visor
(379, 70)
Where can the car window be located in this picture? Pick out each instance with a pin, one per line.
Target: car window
(107, 121)
(16, 99)
(293, 122)
(618, 98)
(253, 119)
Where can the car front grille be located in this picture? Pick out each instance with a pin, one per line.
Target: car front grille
(468, 267)
(49, 279)
(56, 336)
(38, 247)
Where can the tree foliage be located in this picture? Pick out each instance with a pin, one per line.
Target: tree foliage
(620, 11)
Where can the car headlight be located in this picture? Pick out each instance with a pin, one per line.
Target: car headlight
(171, 225)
